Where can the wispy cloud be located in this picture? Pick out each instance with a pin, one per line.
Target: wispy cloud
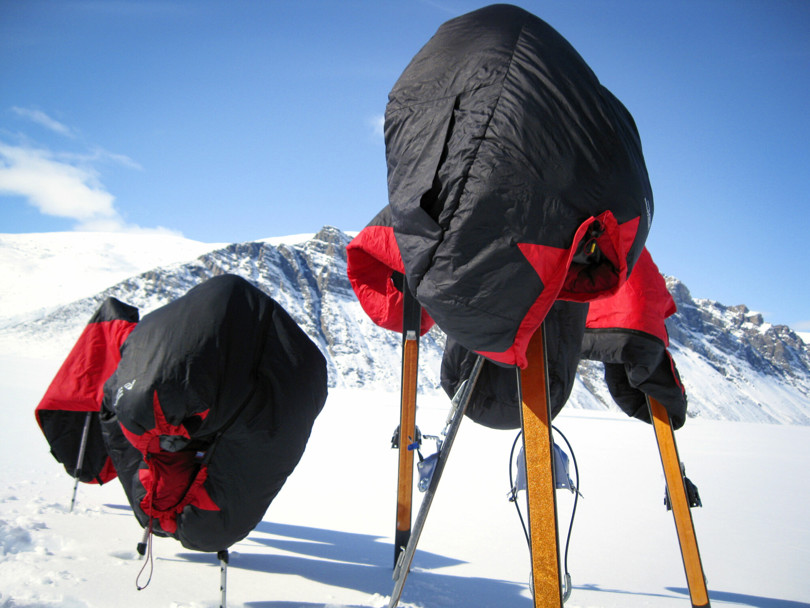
(444, 7)
(377, 124)
(43, 120)
(53, 186)
(64, 184)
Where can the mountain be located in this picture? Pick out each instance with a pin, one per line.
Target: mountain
(734, 365)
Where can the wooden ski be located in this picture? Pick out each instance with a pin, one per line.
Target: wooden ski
(411, 325)
(538, 452)
(676, 490)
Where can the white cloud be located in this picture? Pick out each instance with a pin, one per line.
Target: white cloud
(65, 184)
(43, 120)
(53, 186)
(116, 224)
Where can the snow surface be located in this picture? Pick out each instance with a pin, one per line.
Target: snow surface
(43, 267)
(326, 539)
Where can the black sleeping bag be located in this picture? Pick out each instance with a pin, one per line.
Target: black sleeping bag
(68, 413)
(514, 179)
(628, 333)
(209, 411)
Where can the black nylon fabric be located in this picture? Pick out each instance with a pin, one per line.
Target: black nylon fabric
(495, 403)
(498, 133)
(234, 370)
(636, 365)
(63, 430)
(112, 309)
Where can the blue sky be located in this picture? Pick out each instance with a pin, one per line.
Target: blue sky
(236, 120)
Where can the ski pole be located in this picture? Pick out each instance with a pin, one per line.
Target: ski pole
(224, 558)
(457, 409)
(80, 462)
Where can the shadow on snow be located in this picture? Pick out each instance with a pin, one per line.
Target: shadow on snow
(362, 563)
(747, 600)
(718, 596)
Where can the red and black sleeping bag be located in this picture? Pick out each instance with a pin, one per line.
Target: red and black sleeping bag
(627, 332)
(515, 179)
(75, 394)
(209, 411)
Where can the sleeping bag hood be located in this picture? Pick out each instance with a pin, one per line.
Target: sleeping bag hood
(209, 411)
(514, 179)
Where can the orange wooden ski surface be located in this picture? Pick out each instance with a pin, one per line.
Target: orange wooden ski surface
(538, 450)
(407, 435)
(695, 578)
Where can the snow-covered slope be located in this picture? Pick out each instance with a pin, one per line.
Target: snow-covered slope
(44, 270)
(326, 541)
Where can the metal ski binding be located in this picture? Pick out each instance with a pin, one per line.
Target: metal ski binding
(414, 445)
(562, 478)
(692, 494)
(426, 466)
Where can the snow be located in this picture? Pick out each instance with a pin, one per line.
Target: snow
(46, 270)
(326, 539)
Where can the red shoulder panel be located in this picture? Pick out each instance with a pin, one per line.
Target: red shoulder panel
(373, 258)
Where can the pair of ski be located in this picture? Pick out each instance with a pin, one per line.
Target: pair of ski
(539, 460)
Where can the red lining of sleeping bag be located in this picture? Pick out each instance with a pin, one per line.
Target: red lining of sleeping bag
(373, 256)
(563, 280)
(642, 303)
(675, 375)
(173, 480)
(79, 384)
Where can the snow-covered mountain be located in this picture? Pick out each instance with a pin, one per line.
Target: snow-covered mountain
(734, 365)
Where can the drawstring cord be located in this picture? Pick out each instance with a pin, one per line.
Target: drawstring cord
(145, 547)
(148, 560)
